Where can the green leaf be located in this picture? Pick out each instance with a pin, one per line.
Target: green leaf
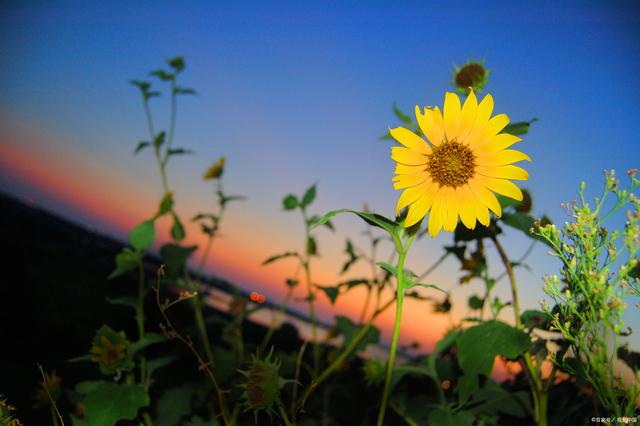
(425, 285)
(127, 260)
(143, 235)
(308, 196)
(184, 91)
(290, 202)
(281, 256)
(156, 363)
(166, 204)
(506, 202)
(386, 137)
(159, 139)
(348, 329)
(88, 386)
(401, 115)
(176, 63)
(331, 292)
(175, 257)
(389, 268)
(144, 86)
(479, 345)
(81, 358)
(467, 386)
(162, 75)
(519, 128)
(173, 406)
(129, 301)
(148, 340)
(354, 283)
(178, 151)
(492, 398)
(177, 230)
(109, 402)
(141, 145)
(475, 302)
(522, 222)
(445, 343)
(442, 415)
(533, 318)
(373, 219)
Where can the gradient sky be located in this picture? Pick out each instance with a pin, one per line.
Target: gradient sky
(295, 93)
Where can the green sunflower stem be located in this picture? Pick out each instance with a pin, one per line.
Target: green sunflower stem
(402, 254)
(311, 296)
(140, 318)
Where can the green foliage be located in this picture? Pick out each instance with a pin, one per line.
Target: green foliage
(143, 235)
(280, 256)
(106, 403)
(290, 202)
(177, 229)
(175, 257)
(127, 260)
(479, 345)
(348, 329)
(445, 416)
(173, 406)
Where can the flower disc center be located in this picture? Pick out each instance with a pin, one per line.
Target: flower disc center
(451, 164)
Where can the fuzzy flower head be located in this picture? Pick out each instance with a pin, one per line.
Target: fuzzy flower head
(471, 75)
(50, 385)
(456, 170)
(262, 384)
(215, 171)
(109, 350)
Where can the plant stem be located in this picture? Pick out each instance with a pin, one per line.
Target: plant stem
(140, 318)
(283, 413)
(537, 389)
(306, 263)
(402, 254)
(272, 328)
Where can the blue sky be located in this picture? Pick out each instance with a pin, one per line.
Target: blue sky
(294, 93)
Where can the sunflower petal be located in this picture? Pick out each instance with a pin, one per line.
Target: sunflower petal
(403, 169)
(501, 186)
(451, 115)
(411, 195)
(484, 196)
(419, 209)
(507, 156)
(496, 124)
(451, 216)
(407, 156)
(467, 116)
(481, 212)
(409, 139)
(435, 217)
(503, 172)
(407, 181)
(467, 215)
(498, 142)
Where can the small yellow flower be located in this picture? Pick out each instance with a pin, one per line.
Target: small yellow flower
(52, 384)
(215, 171)
(109, 355)
(456, 174)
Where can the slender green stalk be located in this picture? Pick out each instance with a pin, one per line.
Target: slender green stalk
(537, 389)
(272, 328)
(306, 264)
(402, 254)
(283, 413)
(140, 318)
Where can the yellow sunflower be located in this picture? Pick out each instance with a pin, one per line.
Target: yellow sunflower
(456, 173)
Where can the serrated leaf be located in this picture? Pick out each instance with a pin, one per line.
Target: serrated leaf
(142, 236)
(141, 145)
(109, 402)
(126, 261)
(290, 202)
(280, 256)
(177, 229)
(308, 196)
(478, 346)
(331, 292)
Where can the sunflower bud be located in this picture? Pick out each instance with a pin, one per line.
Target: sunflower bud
(471, 75)
(373, 372)
(262, 385)
(215, 171)
(109, 350)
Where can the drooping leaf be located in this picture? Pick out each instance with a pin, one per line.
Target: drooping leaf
(519, 128)
(162, 75)
(478, 346)
(331, 292)
(467, 386)
(175, 257)
(166, 204)
(142, 236)
(159, 139)
(177, 230)
(144, 86)
(401, 115)
(387, 267)
(109, 402)
(308, 196)
(141, 145)
(373, 219)
(281, 256)
(128, 301)
(312, 247)
(127, 260)
(178, 151)
(290, 202)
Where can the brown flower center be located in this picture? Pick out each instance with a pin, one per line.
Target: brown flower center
(451, 164)
(470, 75)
